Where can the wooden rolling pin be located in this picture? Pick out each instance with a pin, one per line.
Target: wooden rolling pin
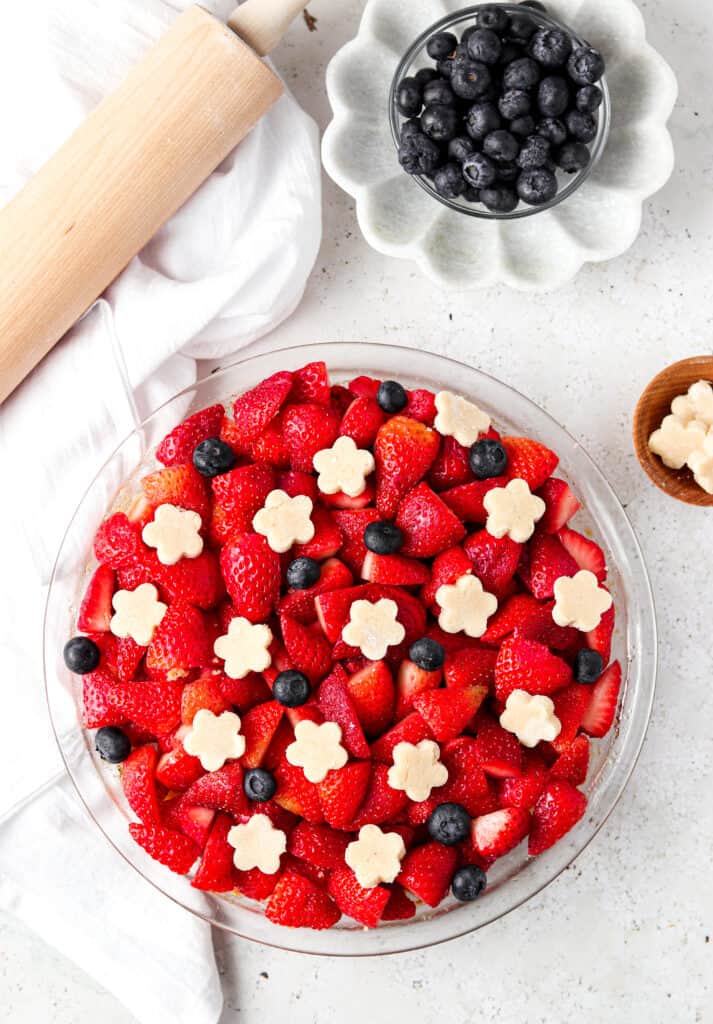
(136, 159)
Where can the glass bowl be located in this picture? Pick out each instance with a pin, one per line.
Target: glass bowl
(416, 58)
(513, 879)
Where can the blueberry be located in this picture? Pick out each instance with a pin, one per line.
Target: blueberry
(441, 45)
(440, 122)
(511, 51)
(303, 573)
(445, 67)
(448, 181)
(572, 157)
(478, 171)
(522, 27)
(411, 127)
(507, 171)
(468, 883)
(392, 396)
(408, 97)
(427, 654)
(582, 127)
(494, 18)
(552, 129)
(81, 655)
(460, 148)
(588, 666)
(482, 119)
(259, 785)
(553, 96)
(523, 126)
(484, 45)
(514, 103)
(550, 47)
(499, 199)
(467, 34)
(585, 66)
(487, 458)
(589, 99)
(291, 688)
(521, 74)
(383, 538)
(424, 76)
(449, 824)
(112, 744)
(501, 145)
(470, 79)
(534, 153)
(213, 457)
(537, 186)
(472, 195)
(438, 91)
(418, 154)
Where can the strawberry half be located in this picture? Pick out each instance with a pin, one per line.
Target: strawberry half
(395, 570)
(308, 429)
(95, 611)
(412, 681)
(372, 693)
(411, 729)
(138, 780)
(216, 872)
(220, 791)
(427, 524)
(319, 845)
(497, 751)
(352, 523)
(342, 792)
(601, 711)
(573, 762)
(253, 411)
(381, 803)
(427, 870)
(466, 500)
(494, 835)
(362, 421)
(252, 574)
(336, 706)
(311, 384)
(365, 905)
(557, 810)
(447, 568)
(404, 451)
(180, 642)
(450, 467)
(448, 711)
(600, 638)
(178, 485)
(472, 666)
(296, 902)
(178, 446)
(239, 495)
(155, 706)
(546, 562)
(585, 552)
(172, 849)
(529, 460)
(258, 727)
(494, 560)
(561, 504)
(527, 665)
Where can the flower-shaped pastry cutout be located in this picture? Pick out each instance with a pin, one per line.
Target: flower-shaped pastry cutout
(580, 601)
(675, 441)
(697, 404)
(701, 464)
(175, 533)
(417, 769)
(317, 749)
(530, 718)
(244, 648)
(465, 606)
(215, 739)
(375, 856)
(513, 511)
(257, 844)
(343, 467)
(138, 613)
(373, 628)
(459, 418)
(285, 521)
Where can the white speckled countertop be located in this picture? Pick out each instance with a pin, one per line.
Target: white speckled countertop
(623, 936)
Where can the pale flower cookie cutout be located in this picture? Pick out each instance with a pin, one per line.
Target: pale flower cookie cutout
(376, 856)
(317, 749)
(137, 613)
(373, 628)
(513, 511)
(697, 404)
(215, 739)
(285, 521)
(244, 648)
(675, 441)
(460, 419)
(343, 467)
(175, 533)
(580, 601)
(257, 844)
(701, 464)
(530, 718)
(417, 769)
(465, 606)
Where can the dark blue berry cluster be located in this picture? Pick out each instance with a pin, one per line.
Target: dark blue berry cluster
(502, 110)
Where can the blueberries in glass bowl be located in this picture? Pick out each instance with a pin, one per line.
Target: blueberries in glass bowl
(505, 112)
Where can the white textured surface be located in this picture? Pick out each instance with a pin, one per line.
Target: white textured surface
(622, 936)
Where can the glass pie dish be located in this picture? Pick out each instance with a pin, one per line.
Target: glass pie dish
(514, 878)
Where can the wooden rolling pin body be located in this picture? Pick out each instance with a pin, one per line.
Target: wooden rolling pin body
(136, 159)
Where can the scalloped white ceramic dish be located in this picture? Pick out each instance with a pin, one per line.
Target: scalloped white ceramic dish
(598, 222)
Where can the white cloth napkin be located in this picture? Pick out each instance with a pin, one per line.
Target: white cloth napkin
(228, 267)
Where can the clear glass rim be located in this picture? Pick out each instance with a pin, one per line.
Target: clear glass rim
(473, 210)
(624, 768)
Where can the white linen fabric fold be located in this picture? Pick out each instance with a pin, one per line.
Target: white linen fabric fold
(226, 269)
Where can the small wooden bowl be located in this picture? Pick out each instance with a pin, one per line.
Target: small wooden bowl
(654, 404)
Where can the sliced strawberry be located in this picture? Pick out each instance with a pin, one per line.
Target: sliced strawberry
(364, 905)
(399, 907)
(427, 870)
(178, 446)
(362, 420)
(311, 384)
(561, 504)
(178, 485)
(352, 523)
(336, 706)
(448, 711)
(546, 562)
(571, 704)
(307, 649)
(522, 791)
(98, 707)
(529, 460)
(255, 885)
(253, 411)
(244, 693)
(318, 845)
(204, 692)
(342, 792)
(345, 502)
(421, 406)
(494, 560)
(364, 386)
(516, 612)
(294, 482)
(527, 665)
(372, 693)
(340, 398)
(394, 569)
(194, 822)
(471, 666)
(270, 447)
(467, 783)
(239, 495)
(381, 803)
(600, 638)
(450, 467)
(601, 711)
(195, 581)
(412, 681)
(466, 500)
(447, 569)
(128, 658)
(585, 552)
(308, 428)
(180, 642)
(497, 751)
(557, 810)
(172, 849)
(333, 610)
(327, 538)
(296, 794)
(155, 706)
(299, 604)
(494, 835)
(573, 762)
(138, 780)
(252, 574)
(427, 524)
(296, 902)
(216, 872)
(404, 451)
(118, 544)
(411, 729)
(220, 791)
(258, 727)
(95, 611)
(177, 770)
